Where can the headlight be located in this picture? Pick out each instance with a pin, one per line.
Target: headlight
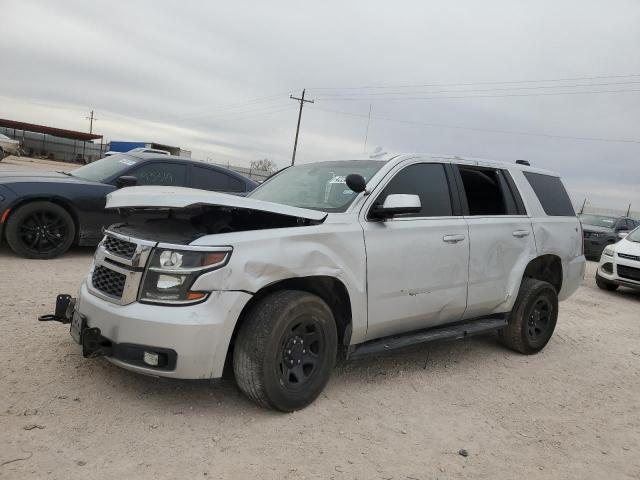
(597, 234)
(171, 273)
(608, 251)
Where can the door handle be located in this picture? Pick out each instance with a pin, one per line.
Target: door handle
(453, 238)
(521, 233)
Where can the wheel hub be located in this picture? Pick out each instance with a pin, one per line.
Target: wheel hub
(294, 351)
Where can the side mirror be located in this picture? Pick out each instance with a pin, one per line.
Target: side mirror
(621, 235)
(398, 204)
(356, 182)
(126, 181)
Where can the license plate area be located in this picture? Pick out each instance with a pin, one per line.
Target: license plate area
(78, 324)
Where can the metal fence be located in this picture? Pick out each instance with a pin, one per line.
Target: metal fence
(41, 145)
(614, 212)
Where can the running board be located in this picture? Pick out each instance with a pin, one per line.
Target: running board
(448, 332)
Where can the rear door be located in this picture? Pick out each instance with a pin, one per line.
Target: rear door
(500, 234)
(416, 264)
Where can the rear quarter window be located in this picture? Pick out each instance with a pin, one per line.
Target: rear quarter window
(552, 195)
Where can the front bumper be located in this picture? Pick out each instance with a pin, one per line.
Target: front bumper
(198, 334)
(608, 269)
(593, 246)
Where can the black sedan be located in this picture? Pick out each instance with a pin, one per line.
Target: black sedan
(43, 213)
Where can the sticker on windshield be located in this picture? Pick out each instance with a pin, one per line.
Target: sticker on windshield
(126, 161)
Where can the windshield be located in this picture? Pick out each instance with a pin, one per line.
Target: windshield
(105, 168)
(634, 236)
(318, 186)
(598, 220)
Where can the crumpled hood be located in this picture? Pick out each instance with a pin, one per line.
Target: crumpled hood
(180, 197)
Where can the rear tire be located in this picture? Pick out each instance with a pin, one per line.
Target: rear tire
(533, 318)
(41, 230)
(605, 284)
(285, 350)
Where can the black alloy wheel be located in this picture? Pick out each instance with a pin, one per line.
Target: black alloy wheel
(301, 350)
(539, 319)
(40, 230)
(285, 350)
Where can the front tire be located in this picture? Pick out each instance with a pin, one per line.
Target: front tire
(41, 230)
(605, 284)
(285, 350)
(533, 318)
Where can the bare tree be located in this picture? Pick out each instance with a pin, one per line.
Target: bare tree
(264, 165)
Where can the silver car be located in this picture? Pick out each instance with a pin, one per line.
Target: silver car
(352, 258)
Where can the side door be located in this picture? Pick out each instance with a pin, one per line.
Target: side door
(501, 238)
(416, 264)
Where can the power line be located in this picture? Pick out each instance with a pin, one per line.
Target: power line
(224, 115)
(533, 94)
(302, 102)
(537, 87)
(596, 77)
(231, 106)
(456, 127)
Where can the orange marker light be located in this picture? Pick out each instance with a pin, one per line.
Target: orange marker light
(195, 295)
(214, 258)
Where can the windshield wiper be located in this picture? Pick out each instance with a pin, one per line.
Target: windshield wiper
(65, 173)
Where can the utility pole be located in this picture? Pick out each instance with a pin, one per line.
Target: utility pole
(366, 135)
(302, 102)
(91, 118)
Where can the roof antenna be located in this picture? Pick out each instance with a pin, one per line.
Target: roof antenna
(523, 162)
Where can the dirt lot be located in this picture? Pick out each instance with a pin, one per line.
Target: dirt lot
(572, 411)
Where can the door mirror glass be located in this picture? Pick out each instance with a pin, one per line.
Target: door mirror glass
(126, 181)
(398, 204)
(356, 182)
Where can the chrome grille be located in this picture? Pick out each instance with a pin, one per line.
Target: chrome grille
(119, 247)
(108, 281)
(118, 267)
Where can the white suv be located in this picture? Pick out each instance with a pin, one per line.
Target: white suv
(620, 264)
(349, 257)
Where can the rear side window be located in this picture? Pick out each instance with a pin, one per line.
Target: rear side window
(487, 192)
(429, 182)
(210, 179)
(552, 195)
(161, 173)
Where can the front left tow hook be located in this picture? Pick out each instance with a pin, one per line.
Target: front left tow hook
(64, 310)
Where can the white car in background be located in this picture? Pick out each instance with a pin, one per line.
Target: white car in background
(8, 146)
(620, 264)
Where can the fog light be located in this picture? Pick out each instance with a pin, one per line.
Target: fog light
(151, 358)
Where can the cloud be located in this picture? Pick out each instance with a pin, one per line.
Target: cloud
(215, 78)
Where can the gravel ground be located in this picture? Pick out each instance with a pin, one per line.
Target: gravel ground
(572, 411)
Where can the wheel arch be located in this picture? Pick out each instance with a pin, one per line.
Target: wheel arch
(547, 268)
(330, 289)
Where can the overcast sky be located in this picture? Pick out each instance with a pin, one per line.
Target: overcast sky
(215, 78)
